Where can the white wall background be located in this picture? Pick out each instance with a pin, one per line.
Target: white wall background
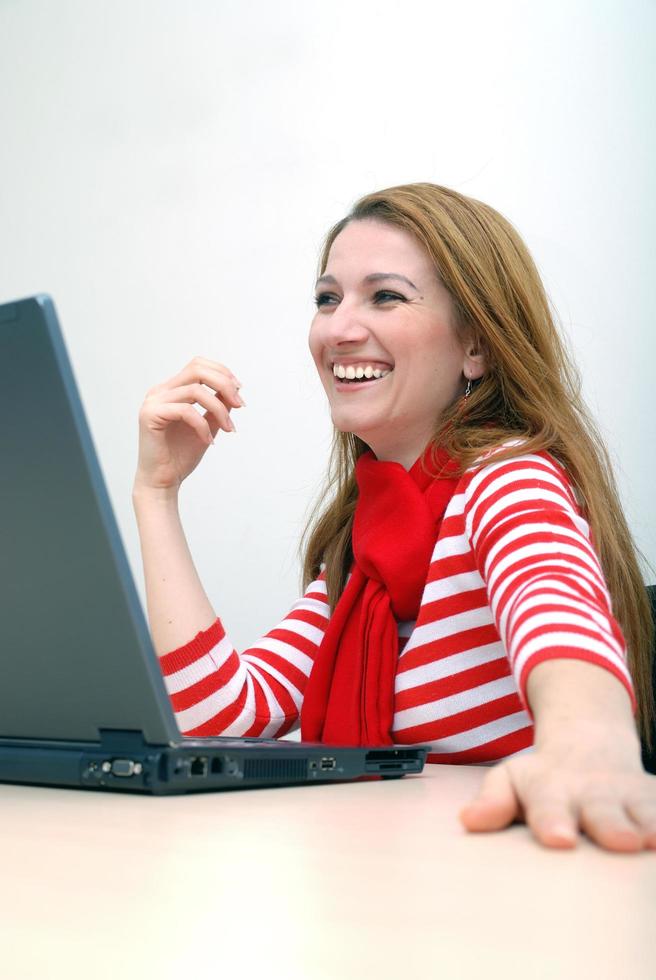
(168, 168)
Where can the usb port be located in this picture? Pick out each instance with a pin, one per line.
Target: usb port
(328, 763)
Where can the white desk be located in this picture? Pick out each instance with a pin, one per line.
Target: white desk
(373, 880)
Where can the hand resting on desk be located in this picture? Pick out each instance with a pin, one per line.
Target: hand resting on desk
(585, 773)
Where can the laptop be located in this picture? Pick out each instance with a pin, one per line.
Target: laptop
(82, 698)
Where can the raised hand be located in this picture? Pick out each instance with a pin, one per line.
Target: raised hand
(173, 434)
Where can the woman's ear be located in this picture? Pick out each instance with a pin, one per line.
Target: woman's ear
(475, 361)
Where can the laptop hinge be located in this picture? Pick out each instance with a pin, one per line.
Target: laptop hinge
(121, 740)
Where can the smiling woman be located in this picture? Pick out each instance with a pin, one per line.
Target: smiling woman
(470, 581)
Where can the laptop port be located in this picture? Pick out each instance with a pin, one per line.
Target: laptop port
(198, 766)
(393, 761)
(217, 765)
(328, 763)
(126, 767)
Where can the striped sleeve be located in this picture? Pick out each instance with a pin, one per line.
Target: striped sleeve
(216, 691)
(544, 581)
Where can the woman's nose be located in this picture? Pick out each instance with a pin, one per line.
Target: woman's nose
(346, 326)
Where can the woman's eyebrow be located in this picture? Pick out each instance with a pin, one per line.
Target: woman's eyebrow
(373, 277)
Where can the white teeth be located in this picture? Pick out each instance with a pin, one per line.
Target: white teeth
(352, 373)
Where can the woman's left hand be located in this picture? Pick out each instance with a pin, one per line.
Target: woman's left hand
(594, 784)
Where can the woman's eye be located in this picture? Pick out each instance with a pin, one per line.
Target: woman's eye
(383, 295)
(322, 299)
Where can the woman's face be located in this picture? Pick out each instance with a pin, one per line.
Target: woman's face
(382, 311)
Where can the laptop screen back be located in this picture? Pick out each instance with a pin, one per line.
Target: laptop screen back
(75, 653)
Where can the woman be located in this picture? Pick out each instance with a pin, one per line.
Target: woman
(458, 581)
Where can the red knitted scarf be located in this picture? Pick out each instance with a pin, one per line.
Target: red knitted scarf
(349, 698)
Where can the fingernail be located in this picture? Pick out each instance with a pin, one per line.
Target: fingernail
(233, 426)
(242, 401)
(563, 831)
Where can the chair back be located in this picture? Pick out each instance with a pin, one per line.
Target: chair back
(649, 757)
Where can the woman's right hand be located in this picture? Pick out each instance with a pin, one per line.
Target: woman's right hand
(173, 435)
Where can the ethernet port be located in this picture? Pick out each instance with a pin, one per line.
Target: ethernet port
(217, 765)
(198, 766)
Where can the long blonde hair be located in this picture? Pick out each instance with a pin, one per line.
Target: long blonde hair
(531, 390)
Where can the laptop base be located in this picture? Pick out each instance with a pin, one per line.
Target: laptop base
(124, 761)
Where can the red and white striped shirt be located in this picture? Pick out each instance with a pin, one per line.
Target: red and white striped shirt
(513, 580)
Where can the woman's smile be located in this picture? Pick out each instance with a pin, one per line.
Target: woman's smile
(351, 375)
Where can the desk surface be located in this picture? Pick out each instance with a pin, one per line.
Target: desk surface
(370, 879)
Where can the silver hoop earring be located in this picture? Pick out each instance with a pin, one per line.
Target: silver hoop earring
(468, 389)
